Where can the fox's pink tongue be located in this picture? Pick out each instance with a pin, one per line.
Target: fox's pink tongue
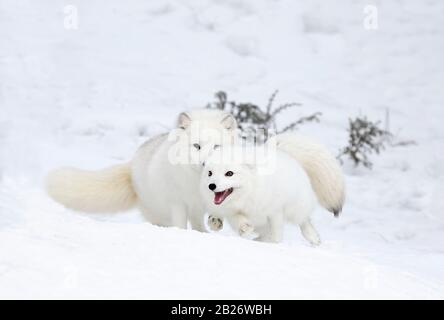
(219, 197)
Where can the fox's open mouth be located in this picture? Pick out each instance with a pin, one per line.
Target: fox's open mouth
(220, 197)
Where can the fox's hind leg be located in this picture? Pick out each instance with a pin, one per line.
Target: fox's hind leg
(310, 233)
(179, 216)
(150, 216)
(276, 228)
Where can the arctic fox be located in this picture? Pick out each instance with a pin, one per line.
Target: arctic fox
(162, 179)
(302, 173)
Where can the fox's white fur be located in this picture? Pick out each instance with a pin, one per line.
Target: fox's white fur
(321, 166)
(166, 193)
(107, 190)
(259, 202)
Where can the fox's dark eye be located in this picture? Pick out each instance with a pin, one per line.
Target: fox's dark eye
(197, 146)
(229, 173)
(210, 173)
(216, 146)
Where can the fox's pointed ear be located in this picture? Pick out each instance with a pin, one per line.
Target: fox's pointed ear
(229, 122)
(184, 120)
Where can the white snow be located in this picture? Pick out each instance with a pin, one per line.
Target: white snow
(89, 97)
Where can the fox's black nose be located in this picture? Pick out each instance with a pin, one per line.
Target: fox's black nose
(212, 187)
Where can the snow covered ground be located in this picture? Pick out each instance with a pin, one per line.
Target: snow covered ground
(89, 96)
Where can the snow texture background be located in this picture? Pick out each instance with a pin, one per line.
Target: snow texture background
(88, 97)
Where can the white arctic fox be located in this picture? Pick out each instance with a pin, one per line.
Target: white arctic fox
(295, 175)
(162, 179)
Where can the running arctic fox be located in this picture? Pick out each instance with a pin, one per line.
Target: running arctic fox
(258, 195)
(162, 180)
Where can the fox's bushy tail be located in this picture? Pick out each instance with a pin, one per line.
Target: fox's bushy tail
(321, 166)
(107, 190)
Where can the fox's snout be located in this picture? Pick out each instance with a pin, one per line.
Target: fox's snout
(212, 186)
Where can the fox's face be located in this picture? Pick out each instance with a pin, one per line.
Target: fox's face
(199, 134)
(204, 141)
(222, 184)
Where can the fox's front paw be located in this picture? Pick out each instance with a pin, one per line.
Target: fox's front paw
(215, 223)
(246, 230)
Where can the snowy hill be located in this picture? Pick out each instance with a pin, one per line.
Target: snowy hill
(89, 96)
